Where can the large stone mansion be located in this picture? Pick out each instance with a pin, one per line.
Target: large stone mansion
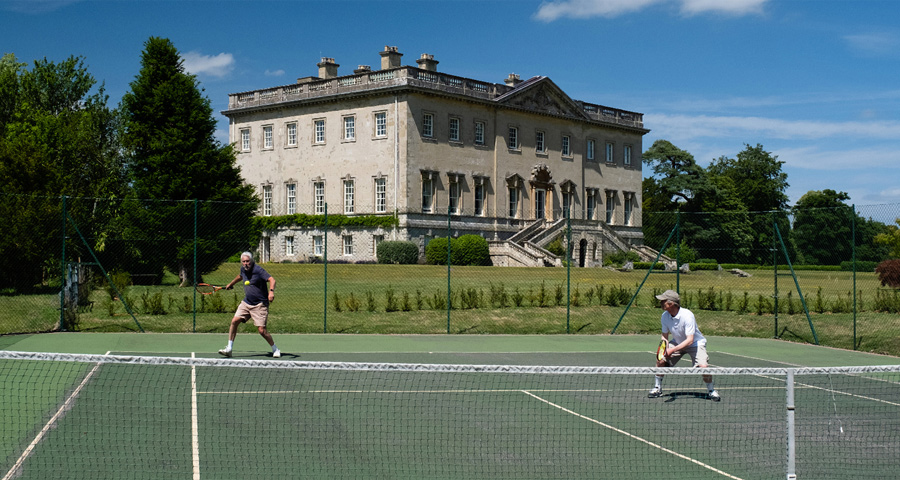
(506, 161)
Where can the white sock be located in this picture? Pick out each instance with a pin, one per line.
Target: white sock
(230, 345)
(274, 347)
(659, 381)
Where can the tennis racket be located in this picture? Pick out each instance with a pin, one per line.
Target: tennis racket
(207, 289)
(661, 350)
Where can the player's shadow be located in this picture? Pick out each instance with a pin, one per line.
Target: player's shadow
(268, 356)
(690, 395)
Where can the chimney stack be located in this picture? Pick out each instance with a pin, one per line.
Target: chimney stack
(427, 62)
(390, 58)
(512, 80)
(327, 68)
(363, 69)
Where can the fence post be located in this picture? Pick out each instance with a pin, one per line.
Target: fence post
(449, 298)
(195, 266)
(775, 268)
(853, 260)
(325, 263)
(568, 267)
(62, 278)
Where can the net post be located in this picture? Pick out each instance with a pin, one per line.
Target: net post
(791, 439)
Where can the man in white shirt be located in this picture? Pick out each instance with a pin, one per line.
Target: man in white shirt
(686, 338)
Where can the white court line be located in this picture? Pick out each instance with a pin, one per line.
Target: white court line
(635, 437)
(195, 430)
(50, 424)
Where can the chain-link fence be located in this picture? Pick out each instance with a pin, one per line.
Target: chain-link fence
(124, 265)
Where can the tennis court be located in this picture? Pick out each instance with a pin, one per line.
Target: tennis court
(151, 407)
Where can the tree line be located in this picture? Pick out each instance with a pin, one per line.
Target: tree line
(60, 137)
(728, 211)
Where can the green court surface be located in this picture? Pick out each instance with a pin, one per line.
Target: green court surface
(257, 417)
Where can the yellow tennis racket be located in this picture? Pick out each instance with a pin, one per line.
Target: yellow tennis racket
(661, 350)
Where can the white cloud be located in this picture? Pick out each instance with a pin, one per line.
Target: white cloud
(685, 126)
(274, 73)
(216, 66)
(876, 44)
(730, 7)
(550, 11)
(816, 158)
(35, 7)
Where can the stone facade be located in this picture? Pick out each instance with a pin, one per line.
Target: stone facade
(415, 143)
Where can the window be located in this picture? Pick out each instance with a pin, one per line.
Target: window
(289, 245)
(291, 198)
(381, 124)
(292, 134)
(539, 142)
(348, 196)
(320, 130)
(267, 200)
(319, 200)
(513, 202)
(454, 129)
(348, 245)
(610, 205)
(566, 149)
(427, 194)
(350, 128)
(609, 153)
(454, 194)
(380, 195)
(318, 245)
(629, 205)
(267, 136)
(245, 140)
(626, 160)
(479, 197)
(540, 203)
(376, 239)
(590, 149)
(479, 133)
(428, 125)
(591, 195)
(567, 204)
(512, 141)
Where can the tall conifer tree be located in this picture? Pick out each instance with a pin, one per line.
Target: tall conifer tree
(173, 160)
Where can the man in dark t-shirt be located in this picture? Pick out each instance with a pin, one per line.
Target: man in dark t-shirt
(255, 304)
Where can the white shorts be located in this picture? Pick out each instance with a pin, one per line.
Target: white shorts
(698, 355)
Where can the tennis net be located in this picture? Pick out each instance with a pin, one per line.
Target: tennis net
(114, 416)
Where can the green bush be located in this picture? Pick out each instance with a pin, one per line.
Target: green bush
(619, 257)
(471, 250)
(436, 251)
(556, 247)
(685, 254)
(861, 266)
(704, 266)
(399, 252)
(646, 266)
(465, 250)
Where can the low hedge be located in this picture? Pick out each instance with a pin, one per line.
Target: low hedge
(399, 252)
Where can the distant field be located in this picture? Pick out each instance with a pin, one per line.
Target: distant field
(412, 299)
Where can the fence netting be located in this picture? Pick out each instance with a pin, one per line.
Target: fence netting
(88, 264)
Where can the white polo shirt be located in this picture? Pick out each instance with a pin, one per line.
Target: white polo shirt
(682, 325)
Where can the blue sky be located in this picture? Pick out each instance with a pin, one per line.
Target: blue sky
(816, 82)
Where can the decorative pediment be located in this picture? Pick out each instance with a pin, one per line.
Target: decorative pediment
(540, 175)
(541, 95)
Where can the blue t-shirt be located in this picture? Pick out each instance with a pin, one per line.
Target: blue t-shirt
(258, 290)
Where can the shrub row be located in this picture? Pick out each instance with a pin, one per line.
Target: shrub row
(470, 250)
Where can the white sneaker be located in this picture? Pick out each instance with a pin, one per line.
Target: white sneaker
(276, 353)
(656, 392)
(225, 352)
(714, 396)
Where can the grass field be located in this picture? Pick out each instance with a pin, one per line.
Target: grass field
(490, 300)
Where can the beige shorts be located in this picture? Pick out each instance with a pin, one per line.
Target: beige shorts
(698, 356)
(259, 313)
